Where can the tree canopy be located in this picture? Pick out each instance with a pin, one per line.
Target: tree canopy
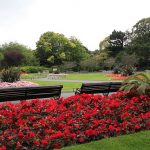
(54, 48)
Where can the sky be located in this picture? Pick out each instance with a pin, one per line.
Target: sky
(90, 21)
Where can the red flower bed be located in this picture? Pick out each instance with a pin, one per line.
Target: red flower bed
(116, 76)
(48, 124)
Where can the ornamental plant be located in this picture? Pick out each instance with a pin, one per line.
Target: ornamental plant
(10, 75)
(52, 124)
(138, 83)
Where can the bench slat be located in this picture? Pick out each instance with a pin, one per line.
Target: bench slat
(23, 93)
(104, 87)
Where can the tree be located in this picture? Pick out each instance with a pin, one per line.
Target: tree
(54, 49)
(22, 54)
(139, 41)
(50, 49)
(116, 42)
(78, 52)
(90, 64)
(104, 44)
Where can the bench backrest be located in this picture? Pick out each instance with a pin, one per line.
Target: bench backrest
(103, 87)
(23, 93)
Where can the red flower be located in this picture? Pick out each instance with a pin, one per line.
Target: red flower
(137, 127)
(44, 142)
(31, 134)
(79, 118)
(10, 137)
(111, 128)
(37, 143)
(20, 134)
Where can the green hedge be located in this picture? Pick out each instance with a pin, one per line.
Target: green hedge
(34, 69)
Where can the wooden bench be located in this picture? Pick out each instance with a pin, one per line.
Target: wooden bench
(104, 87)
(24, 93)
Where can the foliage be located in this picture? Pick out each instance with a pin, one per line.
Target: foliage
(67, 65)
(138, 83)
(126, 63)
(116, 42)
(10, 75)
(78, 52)
(12, 58)
(16, 50)
(34, 69)
(51, 124)
(54, 48)
(109, 63)
(127, 70)
(139, 41)
(90, 64)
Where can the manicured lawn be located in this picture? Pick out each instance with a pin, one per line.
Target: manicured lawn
(137, 141)
(88, 76)
(74, 76)
(67, 86)
(33, 76)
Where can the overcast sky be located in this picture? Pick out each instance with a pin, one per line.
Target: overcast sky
(90, 21)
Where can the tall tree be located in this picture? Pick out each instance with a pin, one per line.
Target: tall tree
(78, 52)
(54, 49)
(140, 41)
(50, 49)
(116, 42)
(14, 51)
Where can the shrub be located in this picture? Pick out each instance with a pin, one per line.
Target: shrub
(127, 70)
(10, 75)
(13, 58)
(117, 69)
(34, 69)
(138, 83)
(124, 70)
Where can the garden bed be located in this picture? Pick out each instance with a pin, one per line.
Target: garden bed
(17, 84)
(49, 124)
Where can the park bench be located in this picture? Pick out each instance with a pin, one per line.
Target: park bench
(24, 93)
(104, 87)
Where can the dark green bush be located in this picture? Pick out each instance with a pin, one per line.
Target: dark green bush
(127, 70)
(10, 75)
(34, 69)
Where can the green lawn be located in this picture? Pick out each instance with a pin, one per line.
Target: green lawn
(88, 76)
(33, 76)
(74, 76)
(137, 141)
(67, 86)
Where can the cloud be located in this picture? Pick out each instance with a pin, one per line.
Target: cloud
(89, 20)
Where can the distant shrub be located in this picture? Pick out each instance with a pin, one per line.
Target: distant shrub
(34, 69)
(127, 70)
(10, 75)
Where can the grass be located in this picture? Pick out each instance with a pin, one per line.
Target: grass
(88, 76)
(137, 141)
(67, 86)
(74, 76)
(33, 76)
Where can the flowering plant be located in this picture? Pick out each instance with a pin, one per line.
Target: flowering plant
(17, 84)
(49, 124)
